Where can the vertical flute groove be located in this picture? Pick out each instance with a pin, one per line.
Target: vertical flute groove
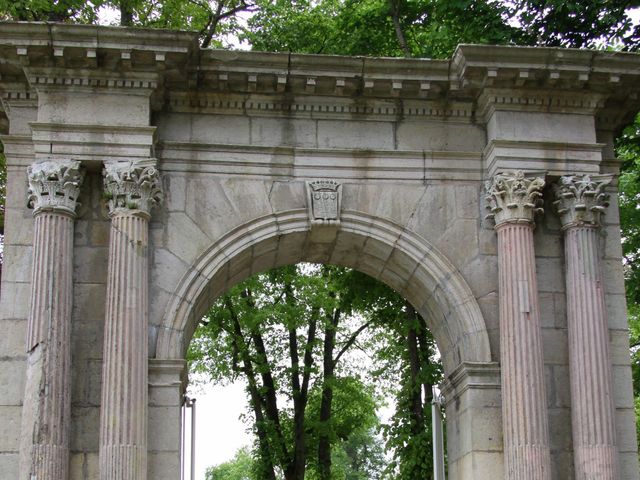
(47, 399)
(526, 430)
(593, 419)
(123, 445)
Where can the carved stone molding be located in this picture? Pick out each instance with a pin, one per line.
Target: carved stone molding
(132, 186)
(55, 186)
(581, 199)
(514, 198)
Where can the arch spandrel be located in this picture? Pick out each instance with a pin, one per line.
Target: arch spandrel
(378, 247)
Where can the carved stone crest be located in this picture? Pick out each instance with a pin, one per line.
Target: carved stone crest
(54, 186)
(581, 199)
(324, 201)
(514, 198)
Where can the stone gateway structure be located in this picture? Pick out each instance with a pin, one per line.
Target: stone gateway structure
(482, 188)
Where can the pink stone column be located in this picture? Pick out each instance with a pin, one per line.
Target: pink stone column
(44, 445)
(514, 199)
(132, 190)
(581, 203)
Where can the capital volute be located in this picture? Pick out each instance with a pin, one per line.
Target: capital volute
(581, 200)
(132, 188)
(514, 198)
(54, 186)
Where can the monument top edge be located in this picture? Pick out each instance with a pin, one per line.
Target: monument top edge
(51, 34)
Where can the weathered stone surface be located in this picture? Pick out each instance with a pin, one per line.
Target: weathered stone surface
(234, 156)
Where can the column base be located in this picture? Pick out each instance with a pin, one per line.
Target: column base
(596, 462)
(123, 462)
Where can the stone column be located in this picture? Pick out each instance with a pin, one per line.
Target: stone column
(514, 200)
(131, 189)
(44, 446)
(581, 201)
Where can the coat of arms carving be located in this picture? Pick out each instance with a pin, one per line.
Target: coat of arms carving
(324, 201)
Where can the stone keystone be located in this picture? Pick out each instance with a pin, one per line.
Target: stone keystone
(132, 186)
(55, 186)
(514, 198)
(581, 199)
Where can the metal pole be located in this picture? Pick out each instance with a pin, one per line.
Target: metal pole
(438, 437)
(182, 435)
(193, 439)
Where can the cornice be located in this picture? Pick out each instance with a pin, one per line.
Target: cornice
(80, 56)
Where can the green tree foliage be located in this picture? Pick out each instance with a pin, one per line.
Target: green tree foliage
(416, 28)
(296, 335)
(628, 150)
(577, 24)
(240, 467)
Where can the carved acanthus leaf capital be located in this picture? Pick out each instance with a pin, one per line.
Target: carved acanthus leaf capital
(132, 187)
(55, 186)
(514, 198)
(581, 200)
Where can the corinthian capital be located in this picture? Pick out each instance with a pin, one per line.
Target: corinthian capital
(131, 186)
(54, 186)
(581, 199)
(514, 198)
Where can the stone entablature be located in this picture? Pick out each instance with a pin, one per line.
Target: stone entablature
(63, 56)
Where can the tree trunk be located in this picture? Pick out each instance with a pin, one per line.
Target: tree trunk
(394, 6)
(126, 13)
(267, 469)
(324, 439)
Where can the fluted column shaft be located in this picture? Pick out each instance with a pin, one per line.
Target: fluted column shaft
(514, 199)
(581, 202)
(524, 408)
(123, 424)
(53, 190)
(592, 411)
(132, 189)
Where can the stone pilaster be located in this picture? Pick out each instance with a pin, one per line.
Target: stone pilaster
(581, 202)
(514, 200)
(44, 448)
(131, 190)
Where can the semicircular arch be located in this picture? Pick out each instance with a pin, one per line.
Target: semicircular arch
(378, 247)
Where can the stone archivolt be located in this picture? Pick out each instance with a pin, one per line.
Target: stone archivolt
(514, 198)
(55, 186)
(132, 186)
(581, 199)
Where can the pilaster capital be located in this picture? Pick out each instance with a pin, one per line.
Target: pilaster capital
(54, 186)
(514, 198)
(132, 187)
(581, 200)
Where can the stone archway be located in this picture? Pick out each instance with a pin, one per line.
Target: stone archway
(223, 146)
(398, 257)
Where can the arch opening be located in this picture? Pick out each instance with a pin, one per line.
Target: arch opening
(377, 247)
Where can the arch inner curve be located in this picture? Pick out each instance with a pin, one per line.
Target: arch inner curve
(378, 247)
